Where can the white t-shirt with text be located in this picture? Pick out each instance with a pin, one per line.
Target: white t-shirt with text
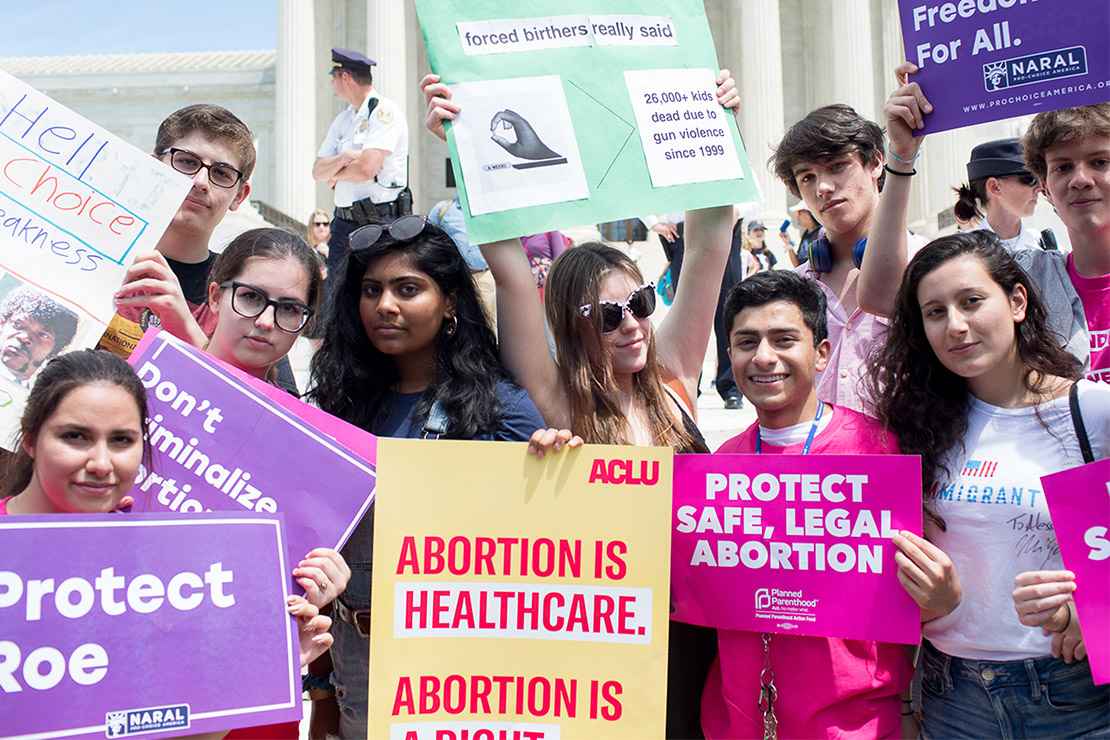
(997, 520)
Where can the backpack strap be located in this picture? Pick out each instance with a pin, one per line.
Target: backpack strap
(1080, 427)
(435, 426)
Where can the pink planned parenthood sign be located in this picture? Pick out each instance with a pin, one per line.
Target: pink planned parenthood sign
(1079, 502)
(219, 445)
(145, 625)
(985, 60)
(794, 544)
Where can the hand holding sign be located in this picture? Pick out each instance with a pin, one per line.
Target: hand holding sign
(905, 111)
(928, 575)
(323, 575)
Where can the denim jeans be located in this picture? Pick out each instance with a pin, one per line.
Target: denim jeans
(1032, 698)
(350, 655)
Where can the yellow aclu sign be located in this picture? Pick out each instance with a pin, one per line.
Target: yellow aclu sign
(516, 598)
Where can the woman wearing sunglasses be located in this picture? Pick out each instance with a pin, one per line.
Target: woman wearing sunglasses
(615, 378)
(408, 352)
(1000, 192)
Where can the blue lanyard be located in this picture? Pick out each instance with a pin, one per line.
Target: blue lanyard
(809, 439)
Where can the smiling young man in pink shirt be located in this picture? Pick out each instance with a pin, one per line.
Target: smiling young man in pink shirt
(823, 687)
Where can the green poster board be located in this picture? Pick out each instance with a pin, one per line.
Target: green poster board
(600, 56)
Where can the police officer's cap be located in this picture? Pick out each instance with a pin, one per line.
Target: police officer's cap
(996, 159)
(352, 60)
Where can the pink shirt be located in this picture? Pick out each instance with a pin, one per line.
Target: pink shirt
(3, 506)
(827, 688)
(1094, 292)
(853, 337)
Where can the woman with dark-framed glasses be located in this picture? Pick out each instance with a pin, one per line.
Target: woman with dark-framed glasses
(408, 352)
(262, 291)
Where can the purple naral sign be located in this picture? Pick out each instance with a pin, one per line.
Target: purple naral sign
(218, 445)
(1079, 501)
(985, 60)
(794, 544)
(123, 625)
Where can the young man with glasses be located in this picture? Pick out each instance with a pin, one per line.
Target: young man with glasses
(212, 146)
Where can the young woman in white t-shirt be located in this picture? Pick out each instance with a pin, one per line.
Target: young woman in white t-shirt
(972, 380)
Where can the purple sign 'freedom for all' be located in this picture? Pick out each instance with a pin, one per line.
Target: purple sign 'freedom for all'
(985, 60)
(124, 625)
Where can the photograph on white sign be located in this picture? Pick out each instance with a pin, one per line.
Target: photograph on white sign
(683, 130)
(516, 144)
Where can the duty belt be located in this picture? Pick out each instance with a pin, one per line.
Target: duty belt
(366, 211)
(358, 618)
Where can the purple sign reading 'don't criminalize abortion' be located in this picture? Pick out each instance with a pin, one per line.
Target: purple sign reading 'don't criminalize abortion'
(127, 625)
(1079, 501)
(217, 445)
(985, 60)
(794, 544)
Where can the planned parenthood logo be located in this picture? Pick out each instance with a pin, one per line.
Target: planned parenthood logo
(1033, 68)
(785, 604)
(125, 722)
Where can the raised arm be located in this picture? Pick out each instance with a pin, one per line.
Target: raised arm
(684, 334)
(520, 319)
(887, 251)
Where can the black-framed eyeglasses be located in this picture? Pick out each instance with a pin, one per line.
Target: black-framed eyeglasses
(403, 229)
(640, 303)
(249, 302)
(220, 174)
(1025, 178)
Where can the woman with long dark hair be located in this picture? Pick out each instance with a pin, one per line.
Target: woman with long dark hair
(971, 380)
(408, 352)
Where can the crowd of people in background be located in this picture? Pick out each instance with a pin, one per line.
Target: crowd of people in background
(873, 340)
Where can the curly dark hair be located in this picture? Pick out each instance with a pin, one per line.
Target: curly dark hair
(924, 403)
(43, 309)
(780, 285)
(350, 378)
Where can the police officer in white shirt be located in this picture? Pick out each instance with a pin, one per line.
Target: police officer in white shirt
(364, 156)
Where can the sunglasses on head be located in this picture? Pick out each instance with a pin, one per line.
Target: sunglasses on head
(640, 303)
(404, 229)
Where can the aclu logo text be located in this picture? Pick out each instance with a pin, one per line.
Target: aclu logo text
(1033, 68)
(125, 722)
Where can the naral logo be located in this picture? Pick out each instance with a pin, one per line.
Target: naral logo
(125, 722)
(1033, 68)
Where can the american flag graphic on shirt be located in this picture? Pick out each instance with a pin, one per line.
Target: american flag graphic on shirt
(979, 469)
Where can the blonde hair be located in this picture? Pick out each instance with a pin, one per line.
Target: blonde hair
(311, 219)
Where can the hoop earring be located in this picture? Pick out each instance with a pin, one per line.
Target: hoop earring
(453, 326)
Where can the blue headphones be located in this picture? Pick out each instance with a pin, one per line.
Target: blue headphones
(820, 253)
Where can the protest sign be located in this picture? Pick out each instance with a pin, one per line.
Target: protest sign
(572, 115)
(218, 446)
(1079, 502)
(77, 204)
(120, 625)
(985, 60)
(796, 544)
(519, 598)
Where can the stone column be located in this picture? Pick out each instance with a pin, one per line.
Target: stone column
(843, 61)
(391, 40)
(295, 115)
(759, 79)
